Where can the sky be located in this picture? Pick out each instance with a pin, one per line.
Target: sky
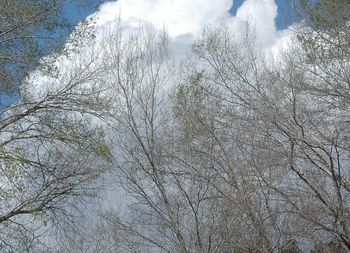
(285, 15)
(284, 19)
(269, 19)
(74, 13)
(185, 19)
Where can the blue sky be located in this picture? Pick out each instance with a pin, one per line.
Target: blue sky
(75, 13)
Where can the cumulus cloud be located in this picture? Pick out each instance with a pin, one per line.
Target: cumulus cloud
(177, 17)
(260, 15)
(183, 16)
(184, 19)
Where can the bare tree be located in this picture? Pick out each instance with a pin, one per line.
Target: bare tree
(238, 153)
(52, 149)
(289, 125)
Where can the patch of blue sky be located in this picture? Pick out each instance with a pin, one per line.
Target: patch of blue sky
(75, 13)
(286, 15)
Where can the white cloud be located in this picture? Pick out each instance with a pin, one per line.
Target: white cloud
(176, 16)
(260, 15)
(185, 19)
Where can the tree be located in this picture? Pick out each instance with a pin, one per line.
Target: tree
(29, 30)
(289, 121)
(193, 183)
(52, 149)
(324, 14)
(244, 154)
(138, 72)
